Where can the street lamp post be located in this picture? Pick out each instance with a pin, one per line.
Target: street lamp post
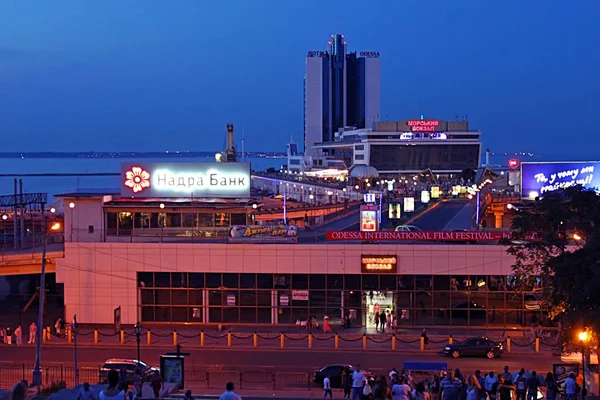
(4, 218)
(37, 372)
(138, 333)
(71, 206)
(583, 338)
(75, 349)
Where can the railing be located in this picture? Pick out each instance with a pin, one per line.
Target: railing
(13, 373)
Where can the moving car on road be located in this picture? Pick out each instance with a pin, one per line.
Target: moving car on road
(407, 228)
(335, 373)
(475, 347)
(130, 367)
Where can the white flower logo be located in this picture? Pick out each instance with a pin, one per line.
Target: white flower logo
(137, 179)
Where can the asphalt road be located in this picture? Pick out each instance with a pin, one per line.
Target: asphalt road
(440, 216)
(271, 360)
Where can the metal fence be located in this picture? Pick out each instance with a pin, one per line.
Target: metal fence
(202, 378)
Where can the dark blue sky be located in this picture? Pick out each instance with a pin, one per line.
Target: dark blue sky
(168, 75)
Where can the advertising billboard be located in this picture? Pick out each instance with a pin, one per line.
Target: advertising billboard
(409, 204)
(420, 236)
(222, 180)
(540, 178)
(368, 218)
(435, 192)
(425, 196)
(394, 211)
(263, 234)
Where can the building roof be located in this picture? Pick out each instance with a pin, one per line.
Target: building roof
(95, 192)
(364, 171)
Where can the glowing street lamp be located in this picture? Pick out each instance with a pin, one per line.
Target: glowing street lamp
(577, 237)
(584, 337)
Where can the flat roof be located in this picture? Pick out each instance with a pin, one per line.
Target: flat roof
(95, 192)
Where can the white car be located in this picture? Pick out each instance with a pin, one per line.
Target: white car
(407, 228)
(575, 358)
(533, 302)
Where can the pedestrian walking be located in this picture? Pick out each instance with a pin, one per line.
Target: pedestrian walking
(85, 393)
(112, 392)
(19, 335)
(358, 382)
(533, 384)
(230, 393)
(8, 335)
(451, 387)
(158, 385)
(425, 337)
(32, 333)
(551, 389)
(326, 326)
(327, 387)
(347, 384)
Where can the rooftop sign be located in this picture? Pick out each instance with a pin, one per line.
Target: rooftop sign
(423, 126)
(316, 53)
(369, 54)
(224, 180)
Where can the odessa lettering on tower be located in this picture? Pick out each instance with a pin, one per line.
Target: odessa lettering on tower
(225, 180)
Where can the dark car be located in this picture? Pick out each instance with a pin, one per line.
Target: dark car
(130, 367)
(468, 310)
(336, 373)
(475, 347)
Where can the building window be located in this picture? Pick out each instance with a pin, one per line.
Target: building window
(359, 147)
(141, 220)
(294, 162)
(238, 219)
(189, 220)
(124, 223)
(222, 220)
(359, 157)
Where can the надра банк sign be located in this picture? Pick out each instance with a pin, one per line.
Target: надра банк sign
(538, 179)
(224, 180)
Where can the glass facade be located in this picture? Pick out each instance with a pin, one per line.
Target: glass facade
(453, 157)
(452, 300)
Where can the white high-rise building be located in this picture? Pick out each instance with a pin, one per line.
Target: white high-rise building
(340, 90)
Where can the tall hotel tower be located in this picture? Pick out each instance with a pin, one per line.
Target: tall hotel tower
(340, 90)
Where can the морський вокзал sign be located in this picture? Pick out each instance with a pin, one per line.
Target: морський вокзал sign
(226, 180)
(538, 179)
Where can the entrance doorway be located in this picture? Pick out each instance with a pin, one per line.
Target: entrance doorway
(377, 302)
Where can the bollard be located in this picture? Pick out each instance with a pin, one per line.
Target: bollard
(174, 337)
(336, 341)
(281, 340)
(69, 336)
(394, 341)
(201, 338)
(537, 344)
(450, 340)
(422, 343)
(255, 337)
(148, 338)
(44, 335)
(228, 339)
(122, 336)
(310, 338)
(508, 344)
(48, 333)
(95, 336)
(364, 341)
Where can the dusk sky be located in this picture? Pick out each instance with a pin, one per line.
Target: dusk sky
(144, 75)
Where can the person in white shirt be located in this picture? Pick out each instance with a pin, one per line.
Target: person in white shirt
(392, 373)
(327, 387)
(489, 381)
(358, 382)
(400, 391)
(230, 394)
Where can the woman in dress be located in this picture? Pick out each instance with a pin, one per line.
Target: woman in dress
(473, 388)
(326, 327)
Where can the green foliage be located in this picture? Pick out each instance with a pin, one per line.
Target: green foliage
(543, 245)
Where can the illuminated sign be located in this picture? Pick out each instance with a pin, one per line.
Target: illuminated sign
(425, 196)
(263, 234)
(538, 179)
(368, 218)
(317, 54)
(423, 126)
(223, 180)
(513, 163)
(369, 54)
(409, 204)
(421, 236)
(369, 197)
(435, 192)
(377, 264)
(394, 211)
(300, 295)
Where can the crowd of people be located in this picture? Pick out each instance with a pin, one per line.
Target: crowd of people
(7, 335)
(453, 385)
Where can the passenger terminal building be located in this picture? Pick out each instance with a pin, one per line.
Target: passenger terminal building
(271, 281)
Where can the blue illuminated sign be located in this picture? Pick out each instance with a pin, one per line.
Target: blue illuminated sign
(538, 179)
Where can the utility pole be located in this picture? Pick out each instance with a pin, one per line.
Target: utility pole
(37, 372)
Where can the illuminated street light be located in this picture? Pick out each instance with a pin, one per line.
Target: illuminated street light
(583, 336)
(509, 206)
(71, 205)
(55, 226)
(53, 210)
(5, 217)
(577, 237)
(255, 206)
(162, 205)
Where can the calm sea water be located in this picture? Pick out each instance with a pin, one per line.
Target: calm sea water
(56, 185)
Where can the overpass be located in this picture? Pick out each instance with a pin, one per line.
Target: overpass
(29, 261)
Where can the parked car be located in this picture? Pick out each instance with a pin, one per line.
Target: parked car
(475, 347)
(130, 367)
(407, 228)
(335, 373)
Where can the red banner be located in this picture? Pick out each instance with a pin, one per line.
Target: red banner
(432, 236)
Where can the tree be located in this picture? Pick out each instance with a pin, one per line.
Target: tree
(557, 239)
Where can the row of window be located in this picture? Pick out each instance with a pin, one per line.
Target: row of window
(406, 317)
(146, 220)
(438, 156)
(335, 298)
(200, 280)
